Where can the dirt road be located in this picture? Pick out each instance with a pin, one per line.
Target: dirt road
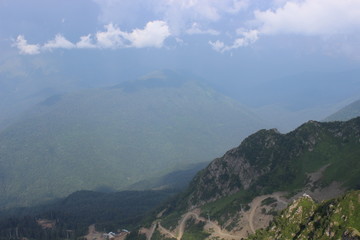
(151, 232)
(164, 231)
(209, 224)
(183, 221)
(214, 228)
(257, 202)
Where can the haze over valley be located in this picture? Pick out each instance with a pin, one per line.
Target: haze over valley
(189, 119)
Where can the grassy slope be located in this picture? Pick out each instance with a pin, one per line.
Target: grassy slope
(304, 219)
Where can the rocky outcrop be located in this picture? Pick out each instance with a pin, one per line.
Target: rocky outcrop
(304, 219)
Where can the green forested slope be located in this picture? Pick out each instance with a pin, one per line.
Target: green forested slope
(75, 213)
(111, 138)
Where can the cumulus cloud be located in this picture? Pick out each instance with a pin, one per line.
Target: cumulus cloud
(113, 37)
(152, 35)
(58, 42)
(179, 14)
(85, 42)
(322, 18)
(24, 47)
(237, 6)
(196, 29)
(222, 18)
(247, 38)
(311, 17)
(218, 45)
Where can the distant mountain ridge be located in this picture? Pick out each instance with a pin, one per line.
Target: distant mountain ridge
(115, 137)
(350, 111)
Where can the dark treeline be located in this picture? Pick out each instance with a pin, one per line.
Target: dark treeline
(27, 227)
(71, 217)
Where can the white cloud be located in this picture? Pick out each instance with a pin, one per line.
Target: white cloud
(58, 42)
(153, 35)
(26, 48)
(196, 29)
(217, 45)
(179, 14)
(238, 6)
(85, 42)
(111, 38)
(321, 18)
(311, 17)
(247, 38)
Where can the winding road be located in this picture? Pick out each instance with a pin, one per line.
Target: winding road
(214, 226)
(165, 231)
(186, 217)
(254, 205)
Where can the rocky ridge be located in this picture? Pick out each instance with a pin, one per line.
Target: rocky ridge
(269, 161)
(269, 166)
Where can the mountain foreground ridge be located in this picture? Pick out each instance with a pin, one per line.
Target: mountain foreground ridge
(241, 191)
(269, 161)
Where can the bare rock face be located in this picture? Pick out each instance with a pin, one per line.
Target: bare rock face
(225, 176)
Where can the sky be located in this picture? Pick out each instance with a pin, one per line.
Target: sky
(228, 24)
(233, 45)
(325, 28)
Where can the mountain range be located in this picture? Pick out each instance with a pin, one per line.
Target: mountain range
(115, 137)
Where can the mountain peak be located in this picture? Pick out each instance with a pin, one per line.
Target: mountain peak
(157, 79)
